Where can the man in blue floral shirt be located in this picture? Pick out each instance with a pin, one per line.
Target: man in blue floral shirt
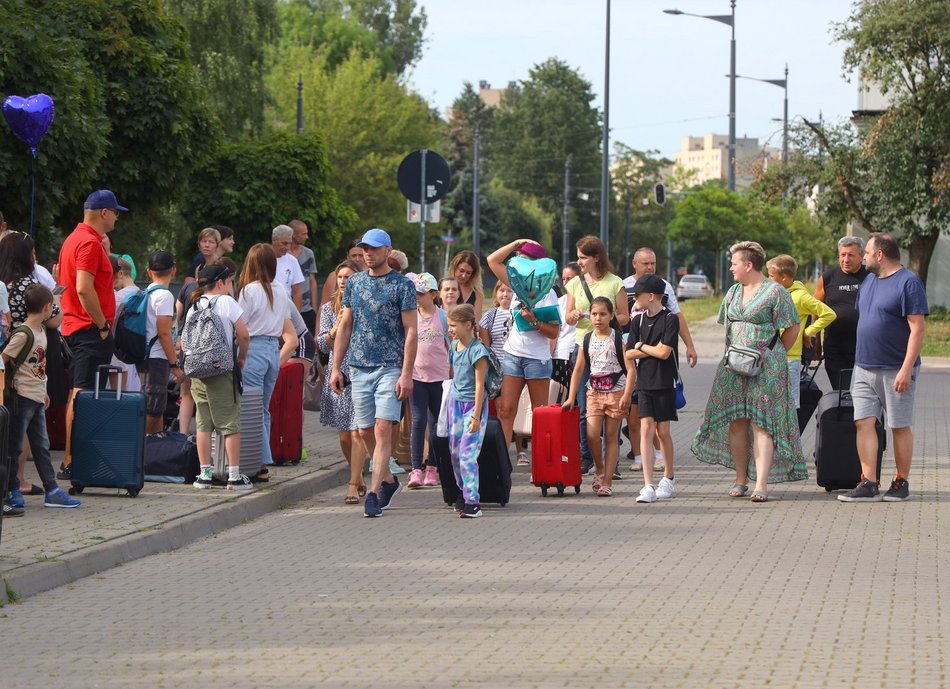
(377, 332)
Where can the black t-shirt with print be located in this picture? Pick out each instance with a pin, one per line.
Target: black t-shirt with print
(663, 328)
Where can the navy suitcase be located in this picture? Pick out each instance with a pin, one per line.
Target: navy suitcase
(108, 443)
(494, 467)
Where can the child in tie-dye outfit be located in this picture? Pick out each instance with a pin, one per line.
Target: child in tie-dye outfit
(467, 407)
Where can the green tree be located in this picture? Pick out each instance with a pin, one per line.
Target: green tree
(255, 185)
(545, 121)
(228, 39)
(369, 122)
(894, 173)
(390, 30)
(130, 113)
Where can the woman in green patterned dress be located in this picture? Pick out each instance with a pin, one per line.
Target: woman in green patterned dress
(744, 416)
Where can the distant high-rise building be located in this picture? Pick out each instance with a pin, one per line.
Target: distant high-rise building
(708, 156)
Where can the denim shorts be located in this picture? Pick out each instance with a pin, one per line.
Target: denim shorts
(373, 390)
(523, 367)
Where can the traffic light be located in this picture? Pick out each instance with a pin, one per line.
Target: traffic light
(659, 193)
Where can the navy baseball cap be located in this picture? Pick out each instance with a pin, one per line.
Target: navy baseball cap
(103, 198)
(376, 238)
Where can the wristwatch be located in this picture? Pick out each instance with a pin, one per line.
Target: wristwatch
(106, 327)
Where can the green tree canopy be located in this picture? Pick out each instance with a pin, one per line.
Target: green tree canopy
(369, 122)
(130, 114)
(228, 39)
(256, 185)
(390, 30)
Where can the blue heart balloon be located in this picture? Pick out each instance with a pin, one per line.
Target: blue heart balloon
(531, 278)
(29, 118)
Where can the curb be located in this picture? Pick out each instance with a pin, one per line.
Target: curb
(173, 534)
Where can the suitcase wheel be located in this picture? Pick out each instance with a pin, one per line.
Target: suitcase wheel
(577, 489)
(560, 489)
(76, 489)
(295, 462)
(544, 490)
(132, 492)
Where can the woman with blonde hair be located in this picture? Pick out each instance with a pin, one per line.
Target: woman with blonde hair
(750, 416)
(337, 410)
(209, 243)
(466, 269)
(273, 339)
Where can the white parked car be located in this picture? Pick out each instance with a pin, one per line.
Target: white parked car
(693, 287)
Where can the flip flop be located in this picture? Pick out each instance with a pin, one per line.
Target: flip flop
(738, 490)
(759, 496)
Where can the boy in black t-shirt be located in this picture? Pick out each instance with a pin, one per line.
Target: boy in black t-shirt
(652, 346)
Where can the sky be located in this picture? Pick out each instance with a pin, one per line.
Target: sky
(667, 73)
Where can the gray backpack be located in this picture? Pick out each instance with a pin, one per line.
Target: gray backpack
(207, 352)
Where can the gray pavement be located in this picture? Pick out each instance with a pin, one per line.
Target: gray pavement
(699, 591)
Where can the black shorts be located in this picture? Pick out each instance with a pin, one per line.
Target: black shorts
(306, 347)
(310, 318)
(89, 351)
(154, 374)
(660, 405)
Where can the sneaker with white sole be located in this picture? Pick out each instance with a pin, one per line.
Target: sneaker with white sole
(658, 461)
(470, 511)
(637, 464)
(394, 466)
(431, 479)
(60, 498)
(898, 492)
(522, 460)
(204, 480)
(664, 491)
(866, 491)
(415, 479)
(647, 494)
(387, 491)
(242, 482)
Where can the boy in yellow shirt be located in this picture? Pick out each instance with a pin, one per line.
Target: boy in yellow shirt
(782, 269)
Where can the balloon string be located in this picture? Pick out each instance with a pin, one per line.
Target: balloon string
(33, 191)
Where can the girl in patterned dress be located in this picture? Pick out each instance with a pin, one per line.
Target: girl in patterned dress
(750, 417)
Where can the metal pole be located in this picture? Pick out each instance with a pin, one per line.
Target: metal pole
(422, 215)
(476, 211)
(732, 102)
(300, 104)
(626, 230)
(565, 224)
(605, 154)
(669, 261)
(785, 122)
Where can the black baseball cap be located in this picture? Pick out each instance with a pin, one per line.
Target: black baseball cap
(649, 284)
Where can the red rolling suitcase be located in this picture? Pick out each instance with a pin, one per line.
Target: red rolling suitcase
(556, 449)
(286, 415)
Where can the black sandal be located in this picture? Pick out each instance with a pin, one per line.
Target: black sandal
(262, 476)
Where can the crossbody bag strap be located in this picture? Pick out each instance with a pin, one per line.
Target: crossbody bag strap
(590, 296)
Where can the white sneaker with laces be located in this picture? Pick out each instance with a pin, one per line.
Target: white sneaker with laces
(647, 494)
(664, 491)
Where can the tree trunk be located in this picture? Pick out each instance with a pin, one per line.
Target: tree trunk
(919, 252)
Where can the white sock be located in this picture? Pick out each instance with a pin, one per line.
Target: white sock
(638, 459)
(206, 470)
(234, 473)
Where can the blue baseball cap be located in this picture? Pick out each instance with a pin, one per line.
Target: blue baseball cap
(103, 198)
(376, 238)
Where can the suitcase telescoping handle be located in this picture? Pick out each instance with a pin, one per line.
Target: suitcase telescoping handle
(110, 369)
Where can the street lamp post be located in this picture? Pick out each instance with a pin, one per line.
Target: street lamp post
(604, 158)
(730, 21)
(300, 105)
(783, 84)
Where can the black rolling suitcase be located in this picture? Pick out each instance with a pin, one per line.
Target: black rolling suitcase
(837, 466)
(494, 467)
(170, 458)
(809, 396)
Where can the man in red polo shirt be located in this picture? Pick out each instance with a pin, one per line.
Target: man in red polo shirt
(88, 303)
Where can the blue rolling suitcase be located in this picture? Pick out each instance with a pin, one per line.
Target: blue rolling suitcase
(108, 444)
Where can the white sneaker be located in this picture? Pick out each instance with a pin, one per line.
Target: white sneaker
(394, 466)
(647, 494)
(658, 460)
(664, 491)
(637, 464)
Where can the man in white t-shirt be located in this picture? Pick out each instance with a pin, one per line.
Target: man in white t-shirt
(289, 275)
(644, 263)
(162, 357)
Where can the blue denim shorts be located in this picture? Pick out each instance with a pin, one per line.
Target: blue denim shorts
(523, 367)
(374, 395)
